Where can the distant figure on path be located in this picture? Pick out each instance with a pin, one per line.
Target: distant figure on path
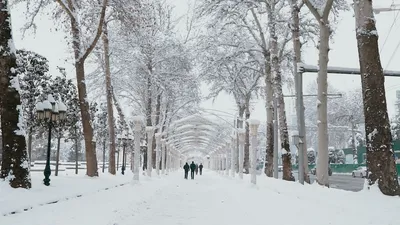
(186, 168)
(192, 168)
(197, 169)
(201, 168)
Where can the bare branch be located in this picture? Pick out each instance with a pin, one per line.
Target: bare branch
(98, 33)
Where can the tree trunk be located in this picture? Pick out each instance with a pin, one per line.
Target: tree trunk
(283, 132)
(119, 111)
(269, 164)
(380, 158)
(322, 106)
(322, 16)
(30, 144)
(104, 157)
(295, 25)
(158, 113)
(239, 124)
(277, 87)
(110, 109)
(246, 159)
(148, 117)
(57, 155)
(15, 162)
(76, 155)
(91, 160)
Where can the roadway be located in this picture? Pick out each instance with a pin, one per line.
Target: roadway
(344, 182)
(341, 181)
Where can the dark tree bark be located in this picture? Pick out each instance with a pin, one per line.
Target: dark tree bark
(15, 162)
(76, 154)
(30, 133)
(80, 57)
(148, 115)
(158, 113)
(380, 159)
(239, 124)
(269, 151)
(246, 159)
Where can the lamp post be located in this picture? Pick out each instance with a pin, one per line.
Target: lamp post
(50, 113)
(253, 133)
(124, 138)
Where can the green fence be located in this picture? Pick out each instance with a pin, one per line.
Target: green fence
(343, 168)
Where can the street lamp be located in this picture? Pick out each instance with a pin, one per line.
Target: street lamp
(124, 138)
(50, 113)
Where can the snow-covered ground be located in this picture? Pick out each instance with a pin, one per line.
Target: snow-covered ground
(211, 199)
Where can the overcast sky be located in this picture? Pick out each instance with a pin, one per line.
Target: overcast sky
(53, 45)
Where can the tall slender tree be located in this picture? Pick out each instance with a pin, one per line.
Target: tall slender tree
(15, 162)
(380, 158)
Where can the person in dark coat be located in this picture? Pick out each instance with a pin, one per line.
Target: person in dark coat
(192, 168)
(201, 168)
(186, 168)
(197, 169)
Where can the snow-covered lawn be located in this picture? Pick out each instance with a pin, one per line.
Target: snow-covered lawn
(64, 187)
(211, 199)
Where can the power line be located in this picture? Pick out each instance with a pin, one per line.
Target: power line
(390, 30)
(393, 54)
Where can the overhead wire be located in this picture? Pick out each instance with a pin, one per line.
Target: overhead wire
(398, 44)
(390, 30)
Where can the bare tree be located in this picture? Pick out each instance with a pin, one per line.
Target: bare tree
(109, 95)
(273, 10)
(77, 17)
(380, 158)
(321, 10)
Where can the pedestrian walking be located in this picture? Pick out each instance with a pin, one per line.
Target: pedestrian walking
(192, 168)
(201, 168)
(186, 169)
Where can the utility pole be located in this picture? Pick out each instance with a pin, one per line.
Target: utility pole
(301, 126)
(392, 7)
(304, 68)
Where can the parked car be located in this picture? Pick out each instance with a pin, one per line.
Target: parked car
(360, 172)
(314, 171)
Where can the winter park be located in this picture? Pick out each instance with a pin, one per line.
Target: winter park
(122, 112)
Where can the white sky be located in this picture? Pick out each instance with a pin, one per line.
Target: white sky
(53, 45)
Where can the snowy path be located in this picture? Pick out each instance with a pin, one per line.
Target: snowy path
(213, 199)
(204, 200)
